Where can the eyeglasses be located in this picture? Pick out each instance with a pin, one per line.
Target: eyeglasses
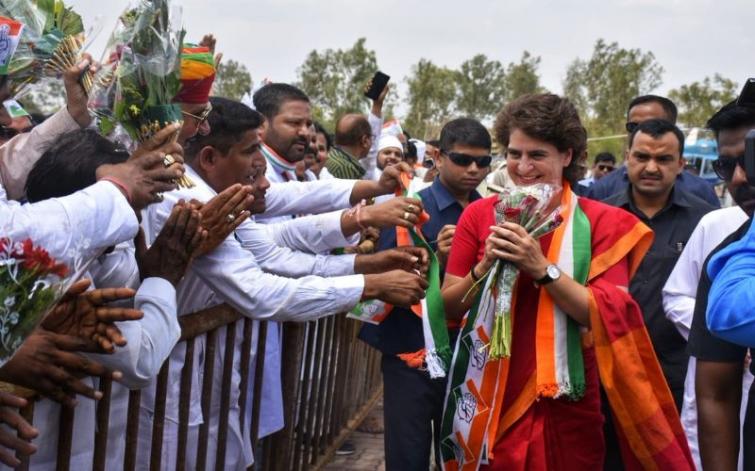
(202, 117)
(726, 166)
(605, 168)
(428, 163)
(464, 160)
(630, 126)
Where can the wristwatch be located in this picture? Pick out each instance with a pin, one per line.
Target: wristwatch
(552, 273)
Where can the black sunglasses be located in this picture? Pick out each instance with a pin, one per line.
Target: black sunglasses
(464, 160)
(726, 166)
(631, 127)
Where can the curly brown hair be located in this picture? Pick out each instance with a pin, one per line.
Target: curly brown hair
(549, 118)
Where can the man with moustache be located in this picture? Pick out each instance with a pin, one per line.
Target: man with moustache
(721, 364)
(653, 161)
(641, 109)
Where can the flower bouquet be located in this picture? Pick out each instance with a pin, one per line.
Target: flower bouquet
(527, 207)
(141, 76)
(52, 42)
(31, 283)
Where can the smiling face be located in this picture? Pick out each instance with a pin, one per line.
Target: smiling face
(653, 164)
(389, 156)
(288, 132)
(530, 161)
(235, 166)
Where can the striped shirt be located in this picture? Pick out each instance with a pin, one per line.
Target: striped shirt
(342, 165)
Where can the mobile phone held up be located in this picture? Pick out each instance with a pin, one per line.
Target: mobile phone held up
(376, 85)
(747, 98)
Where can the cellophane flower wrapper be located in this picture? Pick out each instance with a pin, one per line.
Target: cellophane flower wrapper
(52, 42)
(21, 65)
(525, 206)
(31, 284)
(141, 73)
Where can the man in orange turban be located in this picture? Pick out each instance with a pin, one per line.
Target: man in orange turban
(197, 75)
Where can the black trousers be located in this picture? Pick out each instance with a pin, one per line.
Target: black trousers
(412, 409)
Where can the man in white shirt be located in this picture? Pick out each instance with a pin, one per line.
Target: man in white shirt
(288, 118)
(231, 274)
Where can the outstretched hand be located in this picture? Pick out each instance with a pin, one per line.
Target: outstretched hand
(84, 314)
(48, 363)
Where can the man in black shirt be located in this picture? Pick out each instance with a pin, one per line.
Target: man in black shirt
(718, 380)
(654, 160)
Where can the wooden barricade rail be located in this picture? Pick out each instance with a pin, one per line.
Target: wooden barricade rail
(330, 382)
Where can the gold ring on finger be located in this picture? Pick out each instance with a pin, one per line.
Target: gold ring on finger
(168, 160)
(406, 215)
(230, 218)
(409, 208)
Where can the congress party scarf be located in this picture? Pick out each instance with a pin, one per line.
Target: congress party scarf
(436, 356)
(648, 425)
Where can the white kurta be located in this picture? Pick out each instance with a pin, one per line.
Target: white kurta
(369, 163)
(76, 226)
(18, 155)
(679, 296)
(283, 201)
(231, 274)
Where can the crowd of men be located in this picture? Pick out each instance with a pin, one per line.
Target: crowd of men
(276, 197)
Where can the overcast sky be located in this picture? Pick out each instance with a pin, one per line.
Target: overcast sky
(690, 38)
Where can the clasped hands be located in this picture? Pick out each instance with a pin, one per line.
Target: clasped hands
(511, 242)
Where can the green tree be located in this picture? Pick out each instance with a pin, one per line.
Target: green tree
(603, 86)
(698, 101)
(232, 80)
(481, 87)
(335, 78)
(522, 78)
(431, 94)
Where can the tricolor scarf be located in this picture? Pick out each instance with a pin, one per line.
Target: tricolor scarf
(648, 425)
(437, 351)
(436, 356)
(281, 165)
(475, 394)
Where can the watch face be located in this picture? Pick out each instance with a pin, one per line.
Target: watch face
(553, 271)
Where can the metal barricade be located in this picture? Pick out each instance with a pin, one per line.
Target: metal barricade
(330, 382)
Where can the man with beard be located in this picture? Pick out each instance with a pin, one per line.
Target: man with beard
(720, 364)
(654, 160)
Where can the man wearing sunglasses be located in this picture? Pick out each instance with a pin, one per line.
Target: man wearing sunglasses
(641, 109)
(414, 401)
(716, 388)
(604, 163)
(197, 77)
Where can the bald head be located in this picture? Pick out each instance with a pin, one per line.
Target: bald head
(351, 129)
